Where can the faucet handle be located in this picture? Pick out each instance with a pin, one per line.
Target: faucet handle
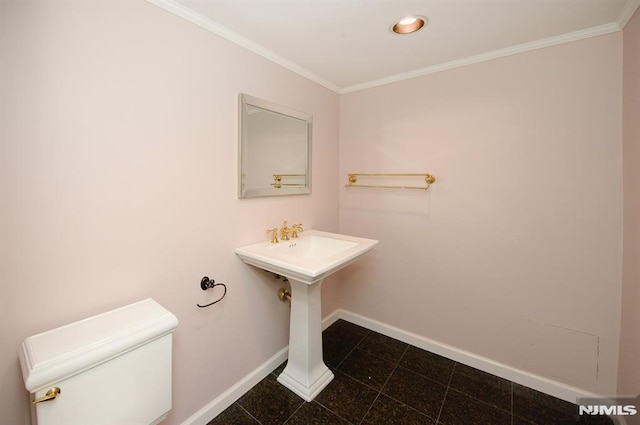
(274, 234)
(295, 228)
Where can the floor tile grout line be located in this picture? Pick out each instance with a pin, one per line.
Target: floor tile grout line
(335, 413)
(248, 413)
(401, 357)
(511, 386)
(479, 400)
(493, 406)
(361, 382)
(446, 392)
(421, 375)
(385, 383)
(471, 396)
(352, 350)
(294, 412)
(406, 405)
(369, 409)
(391, 397)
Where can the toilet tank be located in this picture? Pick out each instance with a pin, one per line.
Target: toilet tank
(110, 369)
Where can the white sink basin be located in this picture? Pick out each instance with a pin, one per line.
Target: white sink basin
(309, 258)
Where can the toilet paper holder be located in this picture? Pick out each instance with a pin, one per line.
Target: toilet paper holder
(206, 283)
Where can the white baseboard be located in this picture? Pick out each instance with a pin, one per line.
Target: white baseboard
(227, 398)
(539, 383)
(536, 382)
(331, 319)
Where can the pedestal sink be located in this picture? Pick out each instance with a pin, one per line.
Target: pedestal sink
(305, 261)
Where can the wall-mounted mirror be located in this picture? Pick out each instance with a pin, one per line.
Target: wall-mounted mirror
(275, 149)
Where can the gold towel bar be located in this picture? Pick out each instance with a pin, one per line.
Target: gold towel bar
(277, 180)
(353, 178)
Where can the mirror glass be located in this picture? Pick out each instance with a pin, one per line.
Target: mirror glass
(275, 149)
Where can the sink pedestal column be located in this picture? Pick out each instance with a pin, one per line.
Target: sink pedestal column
(305, 374)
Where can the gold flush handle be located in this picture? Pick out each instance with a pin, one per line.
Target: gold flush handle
(50, 395)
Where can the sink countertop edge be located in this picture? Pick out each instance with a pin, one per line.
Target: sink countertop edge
(298, 272)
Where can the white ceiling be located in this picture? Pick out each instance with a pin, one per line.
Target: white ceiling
(347, 45)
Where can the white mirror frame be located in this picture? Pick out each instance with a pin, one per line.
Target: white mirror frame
(295, 183)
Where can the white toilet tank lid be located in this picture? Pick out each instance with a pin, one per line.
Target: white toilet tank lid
(57, 354)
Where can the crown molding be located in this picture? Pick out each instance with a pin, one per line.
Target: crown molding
(209, 25)
(627, 12)
(187, 14)
(513, 50)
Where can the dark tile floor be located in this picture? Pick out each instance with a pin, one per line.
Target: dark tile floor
(380, 380)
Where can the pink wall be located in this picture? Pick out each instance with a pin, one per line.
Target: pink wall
(629, 373)
(515, 252)
(118, 182)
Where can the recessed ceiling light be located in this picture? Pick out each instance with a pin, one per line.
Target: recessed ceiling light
(409, 24)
